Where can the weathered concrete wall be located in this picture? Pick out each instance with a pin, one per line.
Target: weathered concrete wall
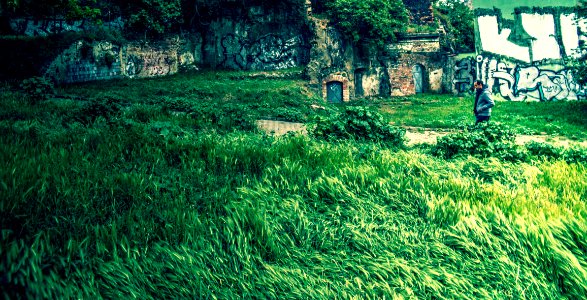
(252, 38)
(88, 61)
(271, 42)
(524, 50)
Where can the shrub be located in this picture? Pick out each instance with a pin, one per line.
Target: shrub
(483, 140)
(576, 155)
(545, 150)
(371, 21)
(107, 108)
(37, 88)
(359, 123)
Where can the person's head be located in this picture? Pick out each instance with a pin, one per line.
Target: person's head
(478, 85)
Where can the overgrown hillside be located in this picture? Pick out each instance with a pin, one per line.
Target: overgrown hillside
(162, 188)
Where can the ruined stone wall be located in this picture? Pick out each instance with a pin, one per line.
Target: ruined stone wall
(367, 72)
(89, 61)
(432, 66)
(252, 38)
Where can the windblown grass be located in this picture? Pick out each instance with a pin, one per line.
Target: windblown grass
(148, 203)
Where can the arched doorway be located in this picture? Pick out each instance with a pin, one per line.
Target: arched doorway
(334, 92)
(418, 74)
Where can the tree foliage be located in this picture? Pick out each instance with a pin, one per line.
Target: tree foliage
(458, 21)
(372, 21)
(70, 9)
(154, 16)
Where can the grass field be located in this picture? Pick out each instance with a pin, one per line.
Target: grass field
(162, 188)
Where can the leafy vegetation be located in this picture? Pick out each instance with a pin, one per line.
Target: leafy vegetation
(374, 22)
(37, 88)
(358, 123)
(135, 189)
(458, 22)
(482, 140)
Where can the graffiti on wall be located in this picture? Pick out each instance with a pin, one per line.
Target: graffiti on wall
(533, 37)
(149, 65)
(150, 62)
(517, 82)
(47, 27)
(270, 52)
(525, 59)
(464, 76)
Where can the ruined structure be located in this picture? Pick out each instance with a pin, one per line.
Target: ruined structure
(261, 38)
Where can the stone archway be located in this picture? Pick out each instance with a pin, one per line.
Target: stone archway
(335, 87)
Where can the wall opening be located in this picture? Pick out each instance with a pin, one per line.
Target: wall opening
(334, 92)
(359, 91)
(419, 75)
(335, 88)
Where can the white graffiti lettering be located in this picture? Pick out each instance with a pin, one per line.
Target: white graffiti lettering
(519, 83)
(537, 38)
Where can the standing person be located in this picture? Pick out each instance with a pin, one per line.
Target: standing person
(483, 102)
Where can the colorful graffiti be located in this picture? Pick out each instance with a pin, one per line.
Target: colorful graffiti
(516, 82)
(270, 52)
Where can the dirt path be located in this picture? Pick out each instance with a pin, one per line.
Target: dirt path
(415, 135)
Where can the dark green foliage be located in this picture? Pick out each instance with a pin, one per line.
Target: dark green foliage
(458, 21)
(358, 123)
(374, 22)
(488, 139)
(543, 150)
(154, 16)
(70, 9)
(37, 88)
(107, 108)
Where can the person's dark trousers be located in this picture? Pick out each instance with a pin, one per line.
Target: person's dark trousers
(482, 119)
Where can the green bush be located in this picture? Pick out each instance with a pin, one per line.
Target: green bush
(107, 108)
(37, 88)
(542, 149)
(371, 21)
(483, 140)
(359, 123)
(549, 151)
(576, 155)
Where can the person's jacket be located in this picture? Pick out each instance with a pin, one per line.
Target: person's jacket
(484, 103)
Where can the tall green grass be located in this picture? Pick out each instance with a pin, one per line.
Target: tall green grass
(146, 202)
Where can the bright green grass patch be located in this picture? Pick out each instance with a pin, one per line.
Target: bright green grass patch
(566, 118)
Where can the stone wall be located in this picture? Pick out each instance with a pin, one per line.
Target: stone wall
(367, 72)
(89, 61)
(251, 38)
